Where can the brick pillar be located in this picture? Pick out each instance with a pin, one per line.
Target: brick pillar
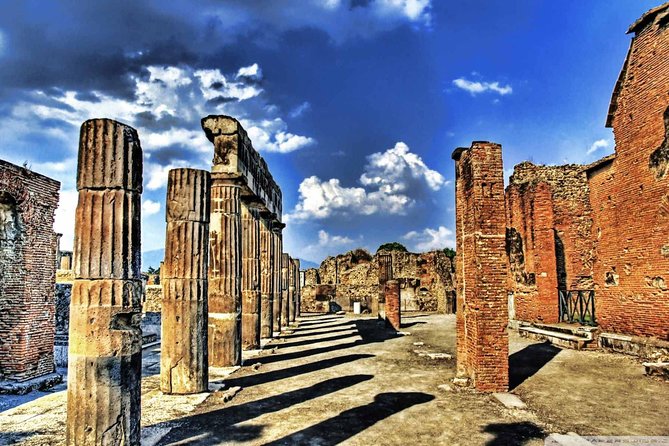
(266, 279)
(482, 316)
(392, 300)
(183, 353)
(225, 267)
(105, 352)
(285, 290)
(277, 274)
(545, 263)
(250, 278)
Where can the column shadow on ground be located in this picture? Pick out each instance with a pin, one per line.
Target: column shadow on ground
(527, 362)
(315, 340)
(219, 425)
(513, 433)
(275, 375)
(370, 330)
(353, 421)
(312, 327)
(316, 333)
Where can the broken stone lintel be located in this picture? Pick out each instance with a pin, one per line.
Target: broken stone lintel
(235, 157)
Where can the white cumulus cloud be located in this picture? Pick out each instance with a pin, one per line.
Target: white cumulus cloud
(150, 207)
(599, 144)
(392, 181)
(431, 239)
(476, 87)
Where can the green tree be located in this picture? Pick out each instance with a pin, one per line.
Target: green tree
(450, 253)
(393, 246)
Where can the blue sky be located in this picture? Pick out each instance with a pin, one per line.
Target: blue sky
(355, 104)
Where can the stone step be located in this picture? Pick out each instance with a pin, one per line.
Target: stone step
(582, 331)
(556, 337)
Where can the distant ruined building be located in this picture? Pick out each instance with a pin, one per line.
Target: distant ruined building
(425, 281)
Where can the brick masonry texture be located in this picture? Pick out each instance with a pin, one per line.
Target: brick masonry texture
(610, 219)
(481, 266)
(27, 272)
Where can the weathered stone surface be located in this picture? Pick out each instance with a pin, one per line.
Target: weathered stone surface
(103, 400)
(225, 268)
(266, 279)
(277, 240)
(292, 289)
(285, 289)
(426, 281)
(392, 304)
(298, 288)
(481, 263)
(235, 157)
(184, 349)
(250, 278)
(27, 272)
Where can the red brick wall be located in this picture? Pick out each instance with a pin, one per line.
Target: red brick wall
(481, 267)
(27, 274)
(630, 196)
(392, 300)
(531, 250)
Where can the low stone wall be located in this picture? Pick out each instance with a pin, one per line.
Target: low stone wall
(151, 310)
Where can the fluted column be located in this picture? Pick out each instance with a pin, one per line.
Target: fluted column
(225, 267)
(105, 349)
(183, 353)
(266, 279)
(292, 289)
(285, 292)
(277, 289)
(250, 278)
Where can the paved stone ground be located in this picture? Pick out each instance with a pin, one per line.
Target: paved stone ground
(339, 379)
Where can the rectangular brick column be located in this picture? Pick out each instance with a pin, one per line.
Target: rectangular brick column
(266, 278)
(297, 288)
(250, 278)
(183, 353)
(105, 352)
(545, 263)
(393, 304)
(225, 273)
(481, 267)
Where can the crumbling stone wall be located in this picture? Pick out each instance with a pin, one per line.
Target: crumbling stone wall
(630, 193)
(28, 246)
(425, 281)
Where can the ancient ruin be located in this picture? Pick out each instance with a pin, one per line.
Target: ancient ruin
(481, 267)
(238, 173)
(184, 354)
(105, 354)
(425, 280)
(27, 271)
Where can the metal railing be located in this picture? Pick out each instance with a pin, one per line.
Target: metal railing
(577, 306)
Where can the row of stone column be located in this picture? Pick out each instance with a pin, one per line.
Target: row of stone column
(226, 284)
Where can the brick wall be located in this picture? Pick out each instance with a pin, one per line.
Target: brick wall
(27, 272)
(630, 194)
(481, 267)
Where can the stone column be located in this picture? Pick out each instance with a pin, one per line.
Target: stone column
(297, 288)
(392, 300)
(250, 278)
(183, 353)
(285, 291)
(278, 267)
(225, 267)
(105, 352)
(266, 278)
(292, 289)
(481, 267)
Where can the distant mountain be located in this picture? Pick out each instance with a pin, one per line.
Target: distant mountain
(152, 258)
(306, 264)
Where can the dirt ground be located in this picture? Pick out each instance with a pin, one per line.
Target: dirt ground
(347, 380)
